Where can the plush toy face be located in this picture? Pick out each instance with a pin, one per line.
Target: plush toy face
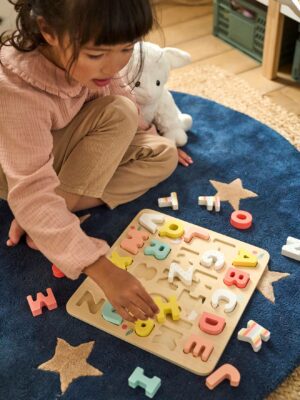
(148, 85)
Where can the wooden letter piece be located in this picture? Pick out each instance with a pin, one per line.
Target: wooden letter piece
(149, 221)
(41, 301)
(226, 371)
(292, 248)
(199, 347)
(224, 294)
(186, 276)
(253, 335)
(211, 324)
(135, 240)
(171, 307)
(245, 259)
(213, 257)
(236, 277)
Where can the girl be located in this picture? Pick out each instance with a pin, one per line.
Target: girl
(69, 136)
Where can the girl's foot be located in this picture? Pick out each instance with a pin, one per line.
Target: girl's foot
(15, 233)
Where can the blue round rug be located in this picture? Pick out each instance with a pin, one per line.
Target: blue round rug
(225, 145)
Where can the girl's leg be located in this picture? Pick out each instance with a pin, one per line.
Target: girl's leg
(149, 160)
(88, 151)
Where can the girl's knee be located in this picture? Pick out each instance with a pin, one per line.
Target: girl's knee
(117, 111)
(126, 110)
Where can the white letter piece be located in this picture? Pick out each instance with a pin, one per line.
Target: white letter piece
(186, 276)
(213, 257)
(292, 248)
(224, 294)
(149, 221)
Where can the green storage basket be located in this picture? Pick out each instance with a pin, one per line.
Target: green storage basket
(247, 32)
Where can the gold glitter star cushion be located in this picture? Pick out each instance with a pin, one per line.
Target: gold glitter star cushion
(70, 362)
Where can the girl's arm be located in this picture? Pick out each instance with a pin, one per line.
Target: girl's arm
(26, 159)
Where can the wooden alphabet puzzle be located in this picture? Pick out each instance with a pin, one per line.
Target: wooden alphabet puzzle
(200, 280)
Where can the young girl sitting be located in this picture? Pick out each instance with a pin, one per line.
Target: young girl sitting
(70, 137)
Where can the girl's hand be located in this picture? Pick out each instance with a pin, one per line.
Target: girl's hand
(183, 158)
(123, 290)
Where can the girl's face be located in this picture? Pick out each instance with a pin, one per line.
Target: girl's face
(95, 66)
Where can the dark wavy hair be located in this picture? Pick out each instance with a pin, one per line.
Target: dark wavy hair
(105, 22)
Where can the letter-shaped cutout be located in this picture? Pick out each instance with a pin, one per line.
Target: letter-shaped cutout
(226, 371)
(245, 259)
(201, 347)
(224, 294)
(41, 301)
(119, 261)
(213, 257)
(157, 249)
(172, 229)
(143, 328)
(171, 307)
(135, 240)
(110, 315)
(211, 324)
(253, 335)
(236, 277)
(149, 221)
(292, 248)
(186, 276)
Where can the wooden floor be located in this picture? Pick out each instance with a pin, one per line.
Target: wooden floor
(190, 28)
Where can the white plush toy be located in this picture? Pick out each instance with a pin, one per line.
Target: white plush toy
(156, 102)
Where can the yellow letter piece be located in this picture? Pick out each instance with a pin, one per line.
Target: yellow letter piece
(121, 262)
(245, 259)
(143, 328)
(172, 229)
(167, 308)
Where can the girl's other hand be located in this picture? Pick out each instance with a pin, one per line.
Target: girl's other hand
(183, 158)
(123, 290)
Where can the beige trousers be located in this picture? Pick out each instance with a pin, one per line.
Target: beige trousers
(101, 154)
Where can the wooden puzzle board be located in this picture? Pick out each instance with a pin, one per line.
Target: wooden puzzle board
(168, 339)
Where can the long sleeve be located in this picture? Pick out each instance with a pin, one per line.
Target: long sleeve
(26, 159)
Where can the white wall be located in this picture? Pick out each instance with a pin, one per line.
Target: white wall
(7, 13)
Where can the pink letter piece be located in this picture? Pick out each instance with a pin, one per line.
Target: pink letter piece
(211, 324)
(241, 219)
(196, 232)
(135, 240)
(236, 277)
(202, 347)
(57, 272)
(226, 371)
(41, 301)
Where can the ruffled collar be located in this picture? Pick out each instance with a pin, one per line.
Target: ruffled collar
(34, 68)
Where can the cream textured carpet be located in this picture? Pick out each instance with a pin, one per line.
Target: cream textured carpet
(225, 88)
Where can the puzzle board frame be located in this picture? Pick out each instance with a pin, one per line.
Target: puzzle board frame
(167, 339)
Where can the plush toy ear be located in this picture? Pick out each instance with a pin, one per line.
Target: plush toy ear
(177, 58)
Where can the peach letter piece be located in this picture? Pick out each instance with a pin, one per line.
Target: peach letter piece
(226, 371)
(135, 240)
(199, 347)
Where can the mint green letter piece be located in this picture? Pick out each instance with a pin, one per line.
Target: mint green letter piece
(157, 249)
(110, 315)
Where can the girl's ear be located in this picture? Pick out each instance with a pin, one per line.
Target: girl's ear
(177, 58)
(47, 33)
